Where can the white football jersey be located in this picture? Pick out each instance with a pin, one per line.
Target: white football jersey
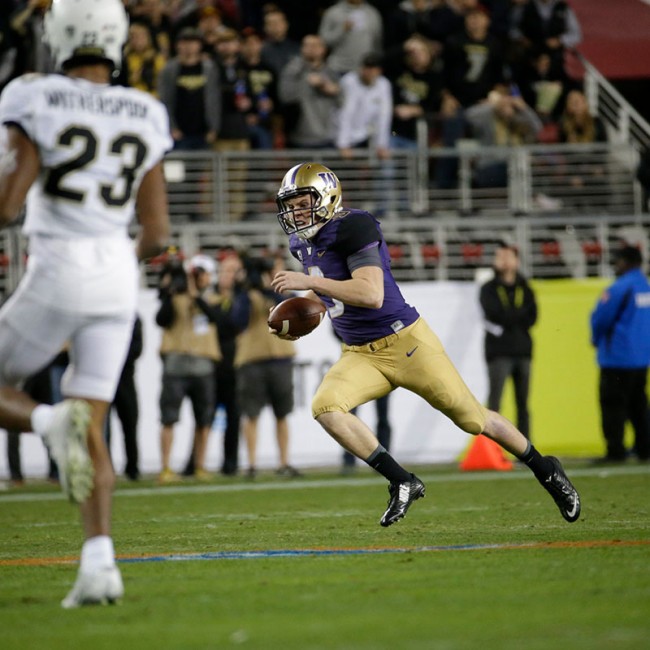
(95, 142)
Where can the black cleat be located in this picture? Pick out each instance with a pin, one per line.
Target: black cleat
(402, 496)
(564, 494)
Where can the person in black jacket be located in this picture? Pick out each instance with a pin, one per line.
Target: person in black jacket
(228, 276)
(510, 311)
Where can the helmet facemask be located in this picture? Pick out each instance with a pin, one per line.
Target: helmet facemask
(287, 214)
(318, 191)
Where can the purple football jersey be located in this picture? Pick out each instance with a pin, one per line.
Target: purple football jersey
(326, 255)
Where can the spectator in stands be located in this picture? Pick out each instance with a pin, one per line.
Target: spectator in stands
(619, 330)
(417, 91)
(503, 120)
(473, 60)
(447, 17)
(500, 17)
(229, 9)
(410, 18)
(544, 90)
(351, 29)
(548, 24)
(27, 23)
(237, 104)
(585, 173)
(473, 67)
(251, 12)
(510, 310)
(577, 124)
(189, 88)
(9, 48)
(304, 17)
(210, 25)
(309, 92)
(263, 362)
(364, 122)
(190, 15)
(154, 14)
(261, 82)
(142, 63)
(189, 350)
(278, 48)
(364, 118)
(236, 99)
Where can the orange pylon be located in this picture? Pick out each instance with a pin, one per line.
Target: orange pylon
(485, 454)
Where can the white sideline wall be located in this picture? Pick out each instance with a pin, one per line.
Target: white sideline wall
(420, 434)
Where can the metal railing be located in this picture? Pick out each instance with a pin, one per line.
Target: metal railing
(563, 226)
(449, 248)
(565, 206)
(563, 180)
(625, 123)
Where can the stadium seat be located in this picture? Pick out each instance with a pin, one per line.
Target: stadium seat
(430, 253)
(472, 253)
(551, 251)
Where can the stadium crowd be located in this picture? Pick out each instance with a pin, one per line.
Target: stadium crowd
(249, 74)
(232, 76)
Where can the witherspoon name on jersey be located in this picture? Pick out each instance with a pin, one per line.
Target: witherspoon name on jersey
(93, 103)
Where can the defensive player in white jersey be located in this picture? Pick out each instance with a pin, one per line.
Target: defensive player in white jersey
(85, 156)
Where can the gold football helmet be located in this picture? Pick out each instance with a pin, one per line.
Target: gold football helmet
(314, 181)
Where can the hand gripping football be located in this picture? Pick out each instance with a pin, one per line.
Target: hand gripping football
(296, 316)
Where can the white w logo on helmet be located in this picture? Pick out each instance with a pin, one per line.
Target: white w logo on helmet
(324, 188)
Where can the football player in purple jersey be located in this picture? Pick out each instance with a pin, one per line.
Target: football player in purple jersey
(386, 343)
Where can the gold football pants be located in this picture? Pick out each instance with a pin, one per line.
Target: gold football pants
(414, 359)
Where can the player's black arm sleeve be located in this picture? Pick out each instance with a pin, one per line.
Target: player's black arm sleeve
(358, 240)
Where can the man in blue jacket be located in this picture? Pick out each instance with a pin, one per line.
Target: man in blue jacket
(620, 326)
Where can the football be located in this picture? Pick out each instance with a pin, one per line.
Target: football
(296, 316)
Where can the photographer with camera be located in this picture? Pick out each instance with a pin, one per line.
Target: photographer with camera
(263, 361)
(189, 351)
(229, 278)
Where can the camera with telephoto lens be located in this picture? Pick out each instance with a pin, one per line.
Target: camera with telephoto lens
(177, 276)
(255, 268)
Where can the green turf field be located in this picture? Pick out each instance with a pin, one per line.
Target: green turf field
(484, 561)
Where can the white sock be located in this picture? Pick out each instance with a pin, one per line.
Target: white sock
(41, 418)
(97, 553)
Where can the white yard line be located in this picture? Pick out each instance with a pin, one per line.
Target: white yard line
(298, 484)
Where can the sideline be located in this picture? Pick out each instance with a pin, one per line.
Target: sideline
(307, 484)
